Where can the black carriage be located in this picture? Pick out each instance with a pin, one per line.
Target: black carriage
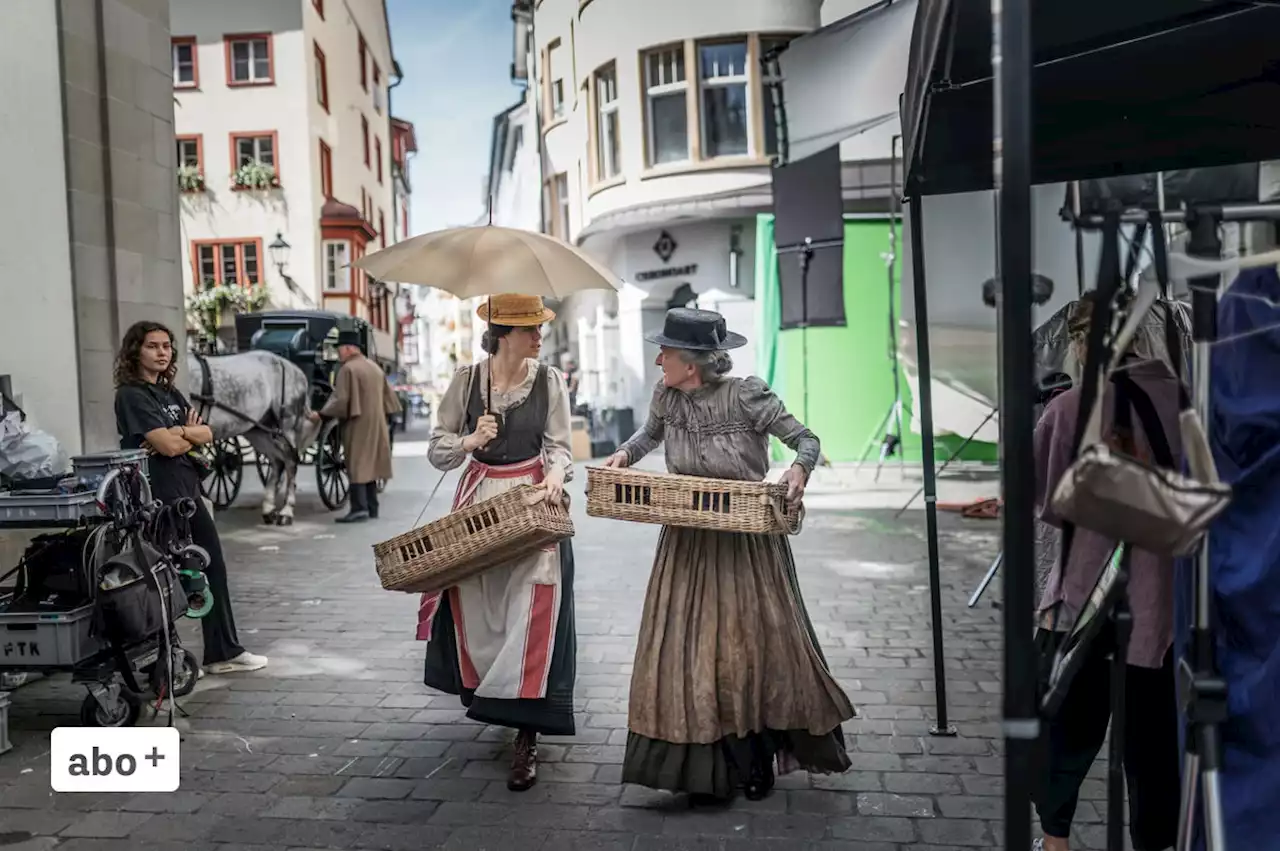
(307, 339)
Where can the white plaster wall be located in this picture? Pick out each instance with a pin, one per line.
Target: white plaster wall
(37, 313)
(338, 35)
(215, 111)
(517, 201)
(606, 30)
(289, 107)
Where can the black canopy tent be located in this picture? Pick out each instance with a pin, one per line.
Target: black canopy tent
(1081, 89)
(1120, 88)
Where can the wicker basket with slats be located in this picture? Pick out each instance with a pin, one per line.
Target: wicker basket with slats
(691, 501)
(471, 540)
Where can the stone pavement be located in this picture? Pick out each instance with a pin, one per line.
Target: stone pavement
(339, 745)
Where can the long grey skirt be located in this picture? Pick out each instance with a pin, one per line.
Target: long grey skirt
(728, 669)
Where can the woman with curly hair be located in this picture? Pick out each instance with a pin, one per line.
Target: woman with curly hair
(152, 414)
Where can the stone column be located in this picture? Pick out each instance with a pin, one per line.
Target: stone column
(121, 187)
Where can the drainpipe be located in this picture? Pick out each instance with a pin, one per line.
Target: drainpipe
(533, 85)
(395, 205)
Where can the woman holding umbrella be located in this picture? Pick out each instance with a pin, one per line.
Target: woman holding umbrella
(728, 676)
(504, 641)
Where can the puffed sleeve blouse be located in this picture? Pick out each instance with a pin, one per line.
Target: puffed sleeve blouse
(721, 430)
(444, 449)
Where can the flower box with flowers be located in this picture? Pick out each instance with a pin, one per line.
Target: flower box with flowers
(207, 305)
(255, 175)
(190, 178)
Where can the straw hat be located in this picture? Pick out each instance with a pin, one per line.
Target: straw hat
(514, 310)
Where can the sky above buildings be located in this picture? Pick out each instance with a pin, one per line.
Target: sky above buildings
(456, 59)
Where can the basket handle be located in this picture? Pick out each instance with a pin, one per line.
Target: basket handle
(781, 517)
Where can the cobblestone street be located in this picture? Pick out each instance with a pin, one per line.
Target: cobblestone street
(339, 745)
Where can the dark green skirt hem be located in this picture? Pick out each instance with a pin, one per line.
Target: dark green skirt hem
(720, 769)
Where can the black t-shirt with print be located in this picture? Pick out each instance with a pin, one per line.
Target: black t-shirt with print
(142, 408)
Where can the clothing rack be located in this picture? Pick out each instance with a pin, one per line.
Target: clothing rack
(1202, 691)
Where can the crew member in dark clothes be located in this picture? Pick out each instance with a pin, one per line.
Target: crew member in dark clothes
(153, 414)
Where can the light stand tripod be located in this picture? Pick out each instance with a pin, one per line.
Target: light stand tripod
(1202, 690)
(890, 441)
(1111, 599)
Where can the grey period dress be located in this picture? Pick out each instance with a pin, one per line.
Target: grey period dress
(727, 664)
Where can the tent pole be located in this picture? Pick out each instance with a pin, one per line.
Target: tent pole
(894, 213)
(1011, 64)
(925, 407)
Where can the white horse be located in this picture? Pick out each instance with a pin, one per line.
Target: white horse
(265, 399)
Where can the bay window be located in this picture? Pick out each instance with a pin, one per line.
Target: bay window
(337, 271)
(723, 82)
(666, 105)
(562, 204)
(608, 141)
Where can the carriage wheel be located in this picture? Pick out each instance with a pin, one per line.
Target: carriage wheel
(331, 467)
(222, 485)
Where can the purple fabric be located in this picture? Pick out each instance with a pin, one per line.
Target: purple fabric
(1150, 577)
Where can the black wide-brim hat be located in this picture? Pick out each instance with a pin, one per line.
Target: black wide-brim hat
(696, 330)
(349, 338)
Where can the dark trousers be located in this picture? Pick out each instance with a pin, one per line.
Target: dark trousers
(221, 643)
(1074, 737)
(364, 497)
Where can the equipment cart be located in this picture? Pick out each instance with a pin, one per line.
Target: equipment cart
(49, 620)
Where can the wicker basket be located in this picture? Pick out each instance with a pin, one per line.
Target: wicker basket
(690, 501)
(471, 540)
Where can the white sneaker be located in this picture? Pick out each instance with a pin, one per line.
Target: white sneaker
(1038, 845)
(242, 663)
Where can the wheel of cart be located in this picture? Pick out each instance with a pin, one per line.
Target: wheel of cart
(110, 706)
(227, 459)
(331, 466)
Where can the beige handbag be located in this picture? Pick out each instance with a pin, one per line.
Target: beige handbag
(1108, 491)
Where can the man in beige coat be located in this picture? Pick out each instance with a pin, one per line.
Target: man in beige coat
(363, 400)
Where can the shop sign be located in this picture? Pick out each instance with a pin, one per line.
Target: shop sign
(671, 272)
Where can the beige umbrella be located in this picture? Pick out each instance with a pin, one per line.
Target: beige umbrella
(488, 260)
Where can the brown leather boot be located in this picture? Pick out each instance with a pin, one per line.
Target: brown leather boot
(524, 765)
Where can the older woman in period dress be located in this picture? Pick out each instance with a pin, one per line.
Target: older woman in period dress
(728, 678)
(504, 640)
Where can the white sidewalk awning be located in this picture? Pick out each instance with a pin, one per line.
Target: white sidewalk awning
(845, 79)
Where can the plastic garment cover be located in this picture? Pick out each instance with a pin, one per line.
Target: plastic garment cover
(1052, 344)
(27, 453)
(1244, 554)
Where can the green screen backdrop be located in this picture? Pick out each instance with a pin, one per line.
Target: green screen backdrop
(850, 371)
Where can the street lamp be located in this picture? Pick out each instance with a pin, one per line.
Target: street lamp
(279, 253)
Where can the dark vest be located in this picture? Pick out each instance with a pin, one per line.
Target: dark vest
(520, 429)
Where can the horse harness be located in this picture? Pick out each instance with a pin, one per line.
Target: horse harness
(207, 403)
